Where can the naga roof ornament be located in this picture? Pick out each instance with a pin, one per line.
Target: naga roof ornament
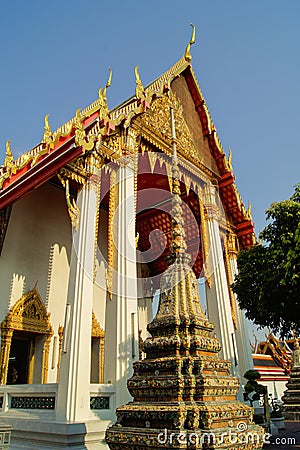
(139, 89)
(8, 155)
(103, 106)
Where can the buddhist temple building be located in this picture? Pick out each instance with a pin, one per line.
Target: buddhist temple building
(273, 359)
(86, 239)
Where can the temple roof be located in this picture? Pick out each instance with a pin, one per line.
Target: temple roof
(268, 368)
(74, 138)
(280, 351)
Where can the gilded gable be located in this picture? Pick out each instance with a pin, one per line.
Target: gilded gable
(200, 143)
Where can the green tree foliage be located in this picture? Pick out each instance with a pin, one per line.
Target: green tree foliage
(268, 280)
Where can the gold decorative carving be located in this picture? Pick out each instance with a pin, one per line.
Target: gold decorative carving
(98, 332)
(204, 242)
(9, 159)
(229, 161)
(139, 89)
(110, 241)
(6, 337)
(80, 135)
(103, 107)
(9, 165)
(229, 280)
(74, 171)
(60, 338)
(47, 137)
(73, 210)
(28, 314)
(45, 358)
(112, 148)
(232, 245)
(98, 192)
(187, 54)
(157, 119)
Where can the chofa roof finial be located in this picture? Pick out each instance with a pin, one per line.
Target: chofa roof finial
(103, 106)
(139, 89)
(187, 54)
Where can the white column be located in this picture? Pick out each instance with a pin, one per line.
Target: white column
(73, 399)
(241, 333)
(217, 294)
(122, 311)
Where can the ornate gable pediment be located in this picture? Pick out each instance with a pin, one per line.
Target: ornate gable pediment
(29, 314)
(157, 121)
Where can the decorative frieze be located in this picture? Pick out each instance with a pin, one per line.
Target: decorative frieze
(99, 403)
(32, 402)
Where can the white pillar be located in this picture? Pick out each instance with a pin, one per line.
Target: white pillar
(217, 294)
(122, 311)
(73, 398)
(241, 333)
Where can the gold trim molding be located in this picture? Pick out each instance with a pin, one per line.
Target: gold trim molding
(30, 315)
(98, 333)
(227, 239)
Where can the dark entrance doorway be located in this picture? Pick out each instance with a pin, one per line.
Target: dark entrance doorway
(20, 365)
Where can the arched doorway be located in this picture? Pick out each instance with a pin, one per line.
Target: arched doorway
(25, 341)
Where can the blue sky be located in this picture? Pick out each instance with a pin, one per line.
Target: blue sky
(55, 55)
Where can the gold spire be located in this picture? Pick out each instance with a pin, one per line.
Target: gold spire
(187, 54)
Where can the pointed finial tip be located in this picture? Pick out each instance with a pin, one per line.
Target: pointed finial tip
(187, 54)
(109, 77)
(136, 72)
(8, 149)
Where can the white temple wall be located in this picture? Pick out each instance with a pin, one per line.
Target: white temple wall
(275, 388)
(37, 250)
(57, 295)
(38, 354)
(38, 222)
